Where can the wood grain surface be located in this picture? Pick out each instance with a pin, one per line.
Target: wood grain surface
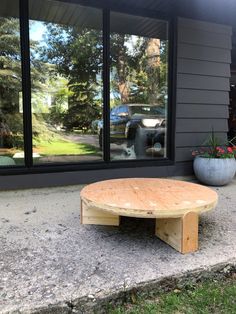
(148, 197)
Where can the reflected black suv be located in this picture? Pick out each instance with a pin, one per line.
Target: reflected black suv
(140, 125)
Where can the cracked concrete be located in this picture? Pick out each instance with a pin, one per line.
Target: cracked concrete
(49, 262)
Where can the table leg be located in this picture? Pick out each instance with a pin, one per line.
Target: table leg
(92, 216)
(180, 233)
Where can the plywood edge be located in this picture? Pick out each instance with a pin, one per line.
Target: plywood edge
(189, 233)
(140, 213)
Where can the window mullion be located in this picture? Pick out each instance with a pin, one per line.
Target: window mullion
(26, 81)
(106, 85)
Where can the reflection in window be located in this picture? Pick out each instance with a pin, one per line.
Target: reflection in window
(66, 72)
(11, 116)
(139, 89)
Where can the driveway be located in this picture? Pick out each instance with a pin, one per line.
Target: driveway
(51, 263)
(91, 139)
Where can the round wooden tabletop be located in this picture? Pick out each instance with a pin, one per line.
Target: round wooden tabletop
(149, 198)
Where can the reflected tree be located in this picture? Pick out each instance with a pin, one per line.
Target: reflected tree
(77, 55)
(11, 125)
(10, 65)
(11, 110)
(138, 70)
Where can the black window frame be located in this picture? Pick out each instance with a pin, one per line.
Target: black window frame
(106, 163)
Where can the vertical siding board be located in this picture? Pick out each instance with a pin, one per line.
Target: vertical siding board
(203, 72)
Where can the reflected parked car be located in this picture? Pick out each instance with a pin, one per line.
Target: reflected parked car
(141, 125)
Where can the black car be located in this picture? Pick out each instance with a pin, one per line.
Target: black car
(140, 125)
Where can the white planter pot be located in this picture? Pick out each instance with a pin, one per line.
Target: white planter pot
(214, 171)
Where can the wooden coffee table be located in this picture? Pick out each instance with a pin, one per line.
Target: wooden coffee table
(174, 204)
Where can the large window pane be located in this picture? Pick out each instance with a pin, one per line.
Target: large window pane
(139, 87)
(66, 72)
(11, 112)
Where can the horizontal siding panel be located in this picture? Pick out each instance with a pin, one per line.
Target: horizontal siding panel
(201, 125)
(206, 26)
(184, 153)
(202, 111)
(204, 53)
(203, 38)
(191, 96)
(203, 67)
(202, 82)
(191, 139)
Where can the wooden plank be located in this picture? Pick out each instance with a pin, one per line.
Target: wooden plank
(203, 82)
(203, 68)
(191, 96)
(170, 231)
(180, 233)
(203, 38)
(205, 26)
(201, 125)
(202, 111)
(190, 51)
(148, 197)
(189, 233)
(92, 216)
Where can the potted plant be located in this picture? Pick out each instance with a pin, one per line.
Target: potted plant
(215, 164)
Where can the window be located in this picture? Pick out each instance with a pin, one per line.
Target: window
(66, 70)
(11, 111)
(138, 78)
(77, 116)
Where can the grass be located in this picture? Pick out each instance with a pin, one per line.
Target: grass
(208, 297)
(62, 147)
(56, 147)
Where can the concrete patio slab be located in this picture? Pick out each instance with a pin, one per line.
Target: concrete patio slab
(49, 263)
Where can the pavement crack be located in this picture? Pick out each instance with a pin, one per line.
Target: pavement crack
(70, 305)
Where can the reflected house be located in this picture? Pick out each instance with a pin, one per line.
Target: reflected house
(71, 72)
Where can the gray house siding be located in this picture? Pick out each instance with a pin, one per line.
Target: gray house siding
(203, 83)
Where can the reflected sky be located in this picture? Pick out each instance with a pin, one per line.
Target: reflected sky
(37, 30)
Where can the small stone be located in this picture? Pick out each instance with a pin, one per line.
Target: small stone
(91, 296)
(177, 291)
(4, 220)
(226, 269)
